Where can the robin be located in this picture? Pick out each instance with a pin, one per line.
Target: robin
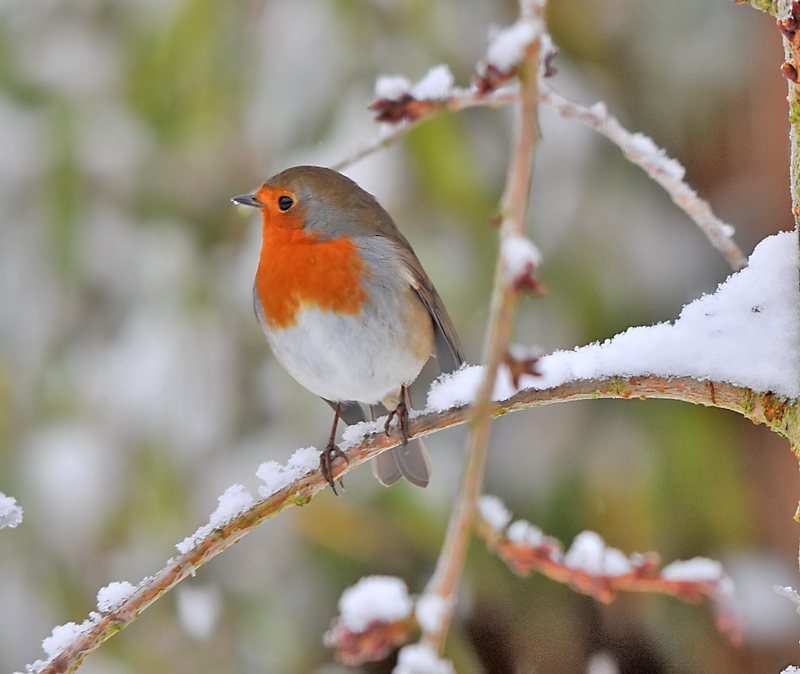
(347, 308)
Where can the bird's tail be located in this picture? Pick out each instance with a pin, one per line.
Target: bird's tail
(410, 461)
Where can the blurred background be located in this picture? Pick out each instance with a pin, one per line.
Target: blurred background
(135, 384)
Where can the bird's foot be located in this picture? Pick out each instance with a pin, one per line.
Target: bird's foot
(401, 412)
(326, 459)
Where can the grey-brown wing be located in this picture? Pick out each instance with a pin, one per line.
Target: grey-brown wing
(374, 219)
(445, 340)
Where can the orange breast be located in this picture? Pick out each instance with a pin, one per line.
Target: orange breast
(298, 270)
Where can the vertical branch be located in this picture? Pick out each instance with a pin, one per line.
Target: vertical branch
(789, 26)
(513, 211)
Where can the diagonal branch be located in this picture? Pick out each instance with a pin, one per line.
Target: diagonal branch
(667, 172)
(778, 413)
(595, 569)
(461, 100)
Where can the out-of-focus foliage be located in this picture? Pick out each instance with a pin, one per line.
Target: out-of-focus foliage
(135, 385)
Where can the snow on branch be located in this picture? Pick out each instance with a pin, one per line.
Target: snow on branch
(399, 104)
(667, 172)
(376, 615)
(113, 594)
(790, 593)
(591, 567)
(520, 259)
(397, 100)
(747, 333)
(10, 512)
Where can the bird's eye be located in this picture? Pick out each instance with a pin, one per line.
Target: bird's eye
(285, 203)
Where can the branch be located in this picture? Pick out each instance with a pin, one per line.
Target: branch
(460, 100)
(789, 27)
(450, 565)
(776, 412)
(667, 172)
(594, 569)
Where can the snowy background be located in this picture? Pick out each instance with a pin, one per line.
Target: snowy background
(135, 385)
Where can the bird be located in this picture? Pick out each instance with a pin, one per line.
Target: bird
(347, 308)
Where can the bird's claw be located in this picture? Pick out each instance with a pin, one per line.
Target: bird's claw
(326, 459)
(401, 412)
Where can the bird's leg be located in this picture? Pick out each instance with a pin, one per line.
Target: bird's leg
(401, 412)
(330, 452)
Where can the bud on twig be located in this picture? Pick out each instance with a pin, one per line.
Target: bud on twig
(789, 71)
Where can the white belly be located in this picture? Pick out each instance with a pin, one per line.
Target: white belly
(342, 357)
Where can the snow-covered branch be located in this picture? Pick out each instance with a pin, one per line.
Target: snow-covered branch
(378, 614)
(746, 333)
(593, 568)
(667, 172)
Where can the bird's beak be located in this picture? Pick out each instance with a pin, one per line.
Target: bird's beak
(248, 200)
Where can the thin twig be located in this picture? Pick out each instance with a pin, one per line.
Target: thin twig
(665, 171)
(449, 567)
(463, 99)
(525, 548)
